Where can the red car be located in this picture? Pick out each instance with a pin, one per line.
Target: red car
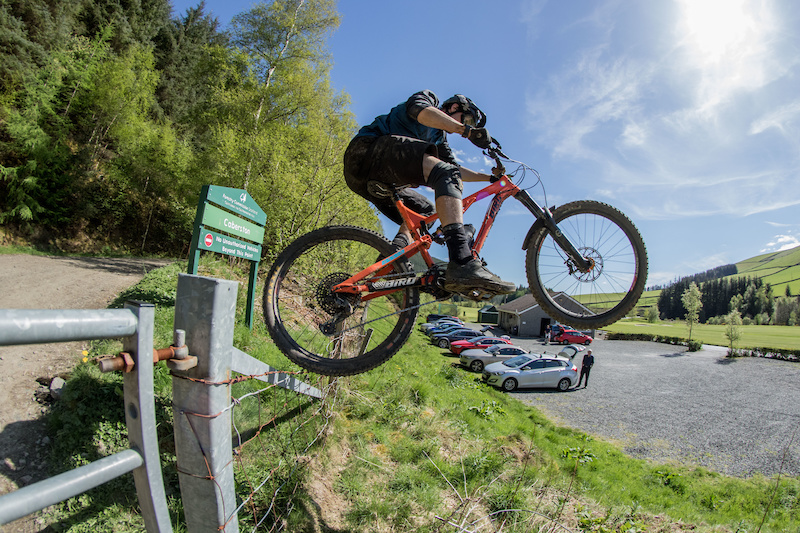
(479, 343)
(570, 336)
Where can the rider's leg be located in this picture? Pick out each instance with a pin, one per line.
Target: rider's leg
(464, 272)
(416, 202)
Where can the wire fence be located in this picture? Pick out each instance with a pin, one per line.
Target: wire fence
(274, 431)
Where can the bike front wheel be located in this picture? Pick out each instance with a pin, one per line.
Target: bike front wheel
(329, 333)
(612, 286)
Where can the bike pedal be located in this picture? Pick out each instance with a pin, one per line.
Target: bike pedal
(479, 296)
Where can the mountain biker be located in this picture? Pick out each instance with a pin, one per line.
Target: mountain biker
(407, 147)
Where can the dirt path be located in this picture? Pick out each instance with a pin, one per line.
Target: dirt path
(36, 282)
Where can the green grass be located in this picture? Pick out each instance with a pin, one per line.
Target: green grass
(785, 337)
(412, 440)
(14, 249)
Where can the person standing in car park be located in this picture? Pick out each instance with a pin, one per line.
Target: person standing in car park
(586, 368)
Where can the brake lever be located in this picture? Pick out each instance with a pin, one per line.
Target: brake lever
(496, 153)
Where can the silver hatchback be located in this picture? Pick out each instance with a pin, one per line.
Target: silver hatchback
(532, 371)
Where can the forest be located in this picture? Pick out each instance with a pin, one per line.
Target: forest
(114, 114)
(751, 296)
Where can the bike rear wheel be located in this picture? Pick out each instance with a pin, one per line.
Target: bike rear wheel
(300, 309)
(616, 280)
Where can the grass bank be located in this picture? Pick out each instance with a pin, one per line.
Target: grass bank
(417, 444)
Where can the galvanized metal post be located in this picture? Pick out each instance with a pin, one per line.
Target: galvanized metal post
(205, 309)
(140, 418)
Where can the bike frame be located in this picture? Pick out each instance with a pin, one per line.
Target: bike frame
(418, 224)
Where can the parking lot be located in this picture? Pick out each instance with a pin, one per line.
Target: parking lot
(660, 402)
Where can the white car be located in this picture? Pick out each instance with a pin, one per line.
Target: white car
(476, 359)
(532, 371)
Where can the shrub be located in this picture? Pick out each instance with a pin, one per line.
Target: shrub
(693, 345)
(769, 353)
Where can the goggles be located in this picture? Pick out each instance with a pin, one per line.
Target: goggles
(468, 118)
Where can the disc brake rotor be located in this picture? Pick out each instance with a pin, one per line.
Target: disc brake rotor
(596, 270)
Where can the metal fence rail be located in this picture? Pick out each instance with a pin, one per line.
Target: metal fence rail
(202, 404)
(135, 324)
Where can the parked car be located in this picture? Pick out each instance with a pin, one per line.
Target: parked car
(555, 329)
(432, 317)
(571, 336)
(531, 371)
(448, 320)
(444, 328)
(571, 351)
(476, 359)
(443, 340)
(477, 343)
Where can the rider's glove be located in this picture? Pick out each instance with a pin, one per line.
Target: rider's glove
(477, 136)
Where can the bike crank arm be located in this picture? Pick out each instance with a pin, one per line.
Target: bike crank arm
(578, 261)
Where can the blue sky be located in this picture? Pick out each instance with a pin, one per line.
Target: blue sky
(683, 114)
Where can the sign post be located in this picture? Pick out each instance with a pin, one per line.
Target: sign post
(236, 214)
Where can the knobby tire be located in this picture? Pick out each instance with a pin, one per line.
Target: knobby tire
(611, 289)
(298, 302)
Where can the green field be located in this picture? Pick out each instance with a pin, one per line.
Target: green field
(784, 337)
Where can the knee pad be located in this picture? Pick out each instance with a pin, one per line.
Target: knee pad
(445, 180)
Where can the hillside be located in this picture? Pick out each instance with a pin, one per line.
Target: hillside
(779, 269)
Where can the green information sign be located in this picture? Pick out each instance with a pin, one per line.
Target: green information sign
(217, 218)
(238, 201)
(241, 220)
(222, 244)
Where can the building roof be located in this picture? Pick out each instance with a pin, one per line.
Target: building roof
(523, 303)
(527, 302)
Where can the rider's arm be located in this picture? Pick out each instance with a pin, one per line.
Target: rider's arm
(471, 175)
(433, 117)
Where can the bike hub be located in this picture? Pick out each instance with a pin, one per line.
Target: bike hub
(595, 261)
(335, 303)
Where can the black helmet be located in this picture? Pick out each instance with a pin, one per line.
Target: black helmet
(473, 116)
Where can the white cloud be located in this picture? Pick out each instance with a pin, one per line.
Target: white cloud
(593, 92)
(781, 119)
(780, 243)
(672, 131)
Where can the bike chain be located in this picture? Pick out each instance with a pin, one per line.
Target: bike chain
(362, 324)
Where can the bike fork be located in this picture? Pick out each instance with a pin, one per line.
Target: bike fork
(576, 259)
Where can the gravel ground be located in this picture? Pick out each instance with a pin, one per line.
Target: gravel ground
(738, 417)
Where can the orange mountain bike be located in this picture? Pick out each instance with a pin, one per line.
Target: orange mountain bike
(342, 300)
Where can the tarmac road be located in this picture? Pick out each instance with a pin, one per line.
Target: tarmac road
(734, 416)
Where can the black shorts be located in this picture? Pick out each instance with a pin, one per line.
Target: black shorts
(393, 160)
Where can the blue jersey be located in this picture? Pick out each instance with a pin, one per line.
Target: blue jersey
(402, 120)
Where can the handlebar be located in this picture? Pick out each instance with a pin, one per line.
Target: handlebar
(494, 152)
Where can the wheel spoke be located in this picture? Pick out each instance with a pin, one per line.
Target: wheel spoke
(611, 243)
(331, 332)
